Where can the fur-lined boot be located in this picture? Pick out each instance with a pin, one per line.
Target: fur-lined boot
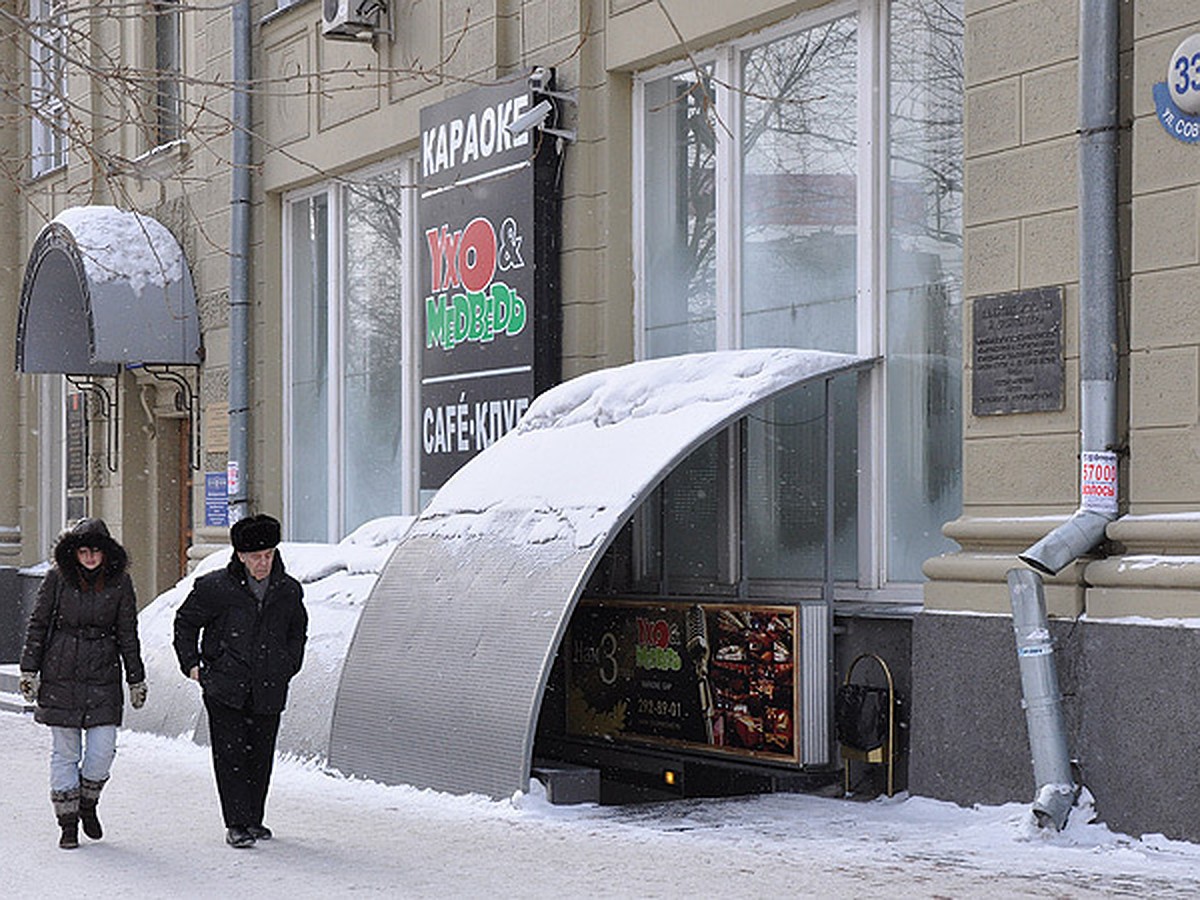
(66, 808)
(89, 796)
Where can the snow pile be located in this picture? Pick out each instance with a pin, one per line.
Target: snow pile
(337, 580)
(117, 244)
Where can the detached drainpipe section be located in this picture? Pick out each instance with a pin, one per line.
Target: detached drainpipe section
(239, 268)
(1098, 80)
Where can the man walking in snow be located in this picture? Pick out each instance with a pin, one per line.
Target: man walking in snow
(241, 634)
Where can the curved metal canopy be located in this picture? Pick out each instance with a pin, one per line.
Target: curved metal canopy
(444, 678)
(105, 288)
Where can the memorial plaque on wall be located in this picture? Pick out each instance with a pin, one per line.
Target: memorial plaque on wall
(1017, 352)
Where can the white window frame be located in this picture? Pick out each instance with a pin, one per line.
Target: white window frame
(335, 193)
(872, 216)
(48, 140)
(164, 12)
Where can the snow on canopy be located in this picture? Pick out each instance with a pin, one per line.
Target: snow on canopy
(118, 244)
(574, 489)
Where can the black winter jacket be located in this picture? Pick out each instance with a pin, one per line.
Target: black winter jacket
(94, 630)
(247, 653)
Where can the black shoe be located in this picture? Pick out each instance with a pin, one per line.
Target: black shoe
(239, 838)
(259, 832)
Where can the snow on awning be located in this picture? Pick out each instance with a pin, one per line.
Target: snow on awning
(105, 288)
(443, 681)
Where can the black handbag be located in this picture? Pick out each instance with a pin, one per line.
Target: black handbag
(861, 716)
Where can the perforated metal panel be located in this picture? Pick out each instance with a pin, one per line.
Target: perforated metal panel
(444, 677)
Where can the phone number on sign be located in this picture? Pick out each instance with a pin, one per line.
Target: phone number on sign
(648, 706)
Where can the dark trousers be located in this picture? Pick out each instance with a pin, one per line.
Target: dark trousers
(243, 749)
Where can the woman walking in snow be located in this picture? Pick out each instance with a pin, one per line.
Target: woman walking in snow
(82, 628)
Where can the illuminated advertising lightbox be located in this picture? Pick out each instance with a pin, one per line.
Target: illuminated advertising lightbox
(488, 244)
(716, 677)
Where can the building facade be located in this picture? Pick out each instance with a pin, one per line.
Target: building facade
(854, 176)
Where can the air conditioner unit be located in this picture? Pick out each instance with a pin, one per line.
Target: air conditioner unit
(350, 20)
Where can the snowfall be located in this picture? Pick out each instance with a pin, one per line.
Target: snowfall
(337, 835)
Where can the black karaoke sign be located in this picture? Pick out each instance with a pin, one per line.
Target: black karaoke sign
(489, 261)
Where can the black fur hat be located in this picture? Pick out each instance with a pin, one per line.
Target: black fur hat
(253, 533)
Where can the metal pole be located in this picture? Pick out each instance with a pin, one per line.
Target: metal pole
(830, 489)
(239, 269)
(830, 524)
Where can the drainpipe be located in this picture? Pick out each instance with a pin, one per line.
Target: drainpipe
(1056, 789)
(239, 268)
(1098, 36)
(1098, 80)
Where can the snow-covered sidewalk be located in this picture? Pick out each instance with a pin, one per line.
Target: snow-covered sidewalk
(338, 837)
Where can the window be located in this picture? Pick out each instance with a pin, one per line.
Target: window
(168, 64)
(346, 248)
(803, 188)
(48, 85)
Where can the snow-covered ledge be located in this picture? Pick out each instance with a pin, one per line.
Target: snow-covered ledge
(972, 579)
(1155, 574)
(1158, 574)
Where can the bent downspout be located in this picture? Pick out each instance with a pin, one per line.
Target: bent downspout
(1056, 789)
(1098, 97)
(239, 268)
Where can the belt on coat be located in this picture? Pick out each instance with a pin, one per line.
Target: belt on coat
(90, 632)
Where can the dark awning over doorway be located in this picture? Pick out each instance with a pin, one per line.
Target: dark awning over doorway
(105, 288)
(444, 678)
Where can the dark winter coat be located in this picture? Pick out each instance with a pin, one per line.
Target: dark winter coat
(81, 631)
(247, 652)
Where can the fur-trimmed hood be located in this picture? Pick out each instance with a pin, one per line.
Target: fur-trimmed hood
(89, 533)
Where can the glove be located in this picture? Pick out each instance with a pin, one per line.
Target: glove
(28, 686)
(137, 694)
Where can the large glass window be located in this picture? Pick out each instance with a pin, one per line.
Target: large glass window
(786, 495)
(345, 311)
(803, 188)
(799, 155)
(372, 348)
(924, 281)
(680, 214)
(48, 85)
(309, 512)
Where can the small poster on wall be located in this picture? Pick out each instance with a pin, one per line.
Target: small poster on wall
(216, 500)
(717, 677)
